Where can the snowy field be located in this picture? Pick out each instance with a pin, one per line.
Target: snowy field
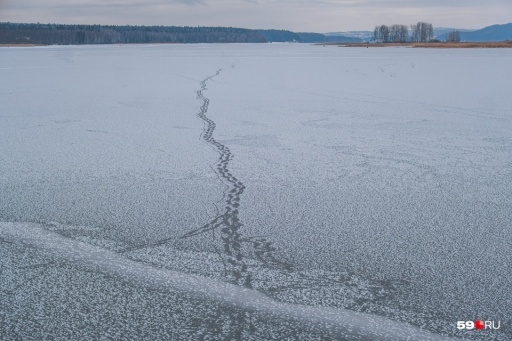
(254, 192)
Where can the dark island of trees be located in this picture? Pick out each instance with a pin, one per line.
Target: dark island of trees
(421, 32)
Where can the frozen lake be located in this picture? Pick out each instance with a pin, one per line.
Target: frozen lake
(374, 183)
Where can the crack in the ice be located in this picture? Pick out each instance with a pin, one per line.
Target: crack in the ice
(228, 222)
(227, 219)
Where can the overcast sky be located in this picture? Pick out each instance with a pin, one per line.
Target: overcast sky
(303, 15)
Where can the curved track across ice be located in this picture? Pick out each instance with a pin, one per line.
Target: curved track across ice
(228, 222)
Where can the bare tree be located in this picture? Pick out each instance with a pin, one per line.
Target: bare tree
(384, 32)
(376, 35)
(453, 37)
(381, 34)
(398, 33)
(422, 32)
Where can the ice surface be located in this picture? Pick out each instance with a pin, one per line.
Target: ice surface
(340, 323)
(374, 180)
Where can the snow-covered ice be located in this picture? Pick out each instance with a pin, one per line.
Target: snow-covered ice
(374, 181)
(339, 323)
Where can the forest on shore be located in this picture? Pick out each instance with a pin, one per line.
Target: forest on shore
(58, 34)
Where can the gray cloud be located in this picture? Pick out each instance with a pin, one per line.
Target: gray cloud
(298, 15)
(32, 4)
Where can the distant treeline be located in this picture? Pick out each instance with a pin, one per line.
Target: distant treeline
(57, 34)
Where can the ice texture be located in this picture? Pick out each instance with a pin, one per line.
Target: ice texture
(339, 323)
(371, 181)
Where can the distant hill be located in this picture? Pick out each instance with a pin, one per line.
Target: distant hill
(274, 36)
(489, 33)
(279, 36)
(307, 37)
(443, 31)
(361, 35)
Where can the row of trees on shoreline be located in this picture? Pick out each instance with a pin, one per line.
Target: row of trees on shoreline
(58, 34)
(421, 32)
(391, 34)
(16, 33)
